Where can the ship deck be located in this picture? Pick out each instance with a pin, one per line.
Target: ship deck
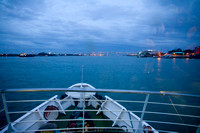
(92, 115)
(162, 117)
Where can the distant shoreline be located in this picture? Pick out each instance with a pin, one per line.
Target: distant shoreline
(69, 55)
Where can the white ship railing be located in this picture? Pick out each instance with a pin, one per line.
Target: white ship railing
(143, 111)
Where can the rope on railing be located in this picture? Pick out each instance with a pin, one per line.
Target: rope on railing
(178, 114)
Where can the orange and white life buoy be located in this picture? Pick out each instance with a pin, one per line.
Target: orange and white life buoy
(147, 129)
(50, 112)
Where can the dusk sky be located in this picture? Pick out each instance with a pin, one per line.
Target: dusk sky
(98, 25)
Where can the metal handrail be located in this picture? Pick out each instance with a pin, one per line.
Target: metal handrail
(74, 120)
(172, 123)
(169, 104)
(99, 90)
(60, 120)
(80, 128)
(149, 112)
(147, 93)
(120, 101)
(161, 113)
(90, 110)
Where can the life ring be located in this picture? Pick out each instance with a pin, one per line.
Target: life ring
(50, 112)
(124, 128)
(147, 129)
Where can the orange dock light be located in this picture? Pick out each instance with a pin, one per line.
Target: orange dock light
(159, 53)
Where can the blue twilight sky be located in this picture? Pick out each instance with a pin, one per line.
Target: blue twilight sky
(98, 25)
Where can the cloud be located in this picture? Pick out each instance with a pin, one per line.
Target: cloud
(150, 42)
(61, 23)
(192, 31)
(159, 29)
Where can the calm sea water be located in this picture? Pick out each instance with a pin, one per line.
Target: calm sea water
(109, 72)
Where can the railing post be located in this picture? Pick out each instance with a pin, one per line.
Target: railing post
(140, 128)
(83, 112)
(9, 130)
(5, 107)
(6, 112)
(144, 107)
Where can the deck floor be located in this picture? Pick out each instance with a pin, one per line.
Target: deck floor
(92, 115)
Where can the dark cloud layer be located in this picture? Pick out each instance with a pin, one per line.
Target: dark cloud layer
(102, 25)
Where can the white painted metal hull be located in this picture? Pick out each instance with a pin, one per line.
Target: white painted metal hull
(128, 121)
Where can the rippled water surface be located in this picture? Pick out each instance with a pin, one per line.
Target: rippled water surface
(109, 72)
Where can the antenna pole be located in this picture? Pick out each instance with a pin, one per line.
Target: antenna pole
(82, 75)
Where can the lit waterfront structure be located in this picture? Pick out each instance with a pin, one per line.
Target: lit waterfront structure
(197, 50)
(147, 53)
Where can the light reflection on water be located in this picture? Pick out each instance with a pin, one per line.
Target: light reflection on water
(158, 65)
(174, 60)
